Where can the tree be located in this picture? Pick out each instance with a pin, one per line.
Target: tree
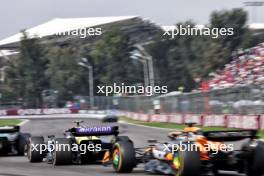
(218, 51)
(235, 19)
(26, 73)
(171, 59)
(64, 73)
(179, 61)
(112, 62)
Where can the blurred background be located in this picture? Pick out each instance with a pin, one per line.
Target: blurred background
(223, 75)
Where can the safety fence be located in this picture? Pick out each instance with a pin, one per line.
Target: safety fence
(243, 100)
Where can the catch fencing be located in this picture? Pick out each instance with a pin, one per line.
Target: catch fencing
(242, 100)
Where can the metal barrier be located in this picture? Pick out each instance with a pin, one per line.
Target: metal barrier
(244, 100)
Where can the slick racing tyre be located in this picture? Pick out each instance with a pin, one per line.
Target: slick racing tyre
(255, 165)
(4, 147)
(187, 163)
(123, 156)
(122, 138)
(110, 119)
(34, 149)
(63, 154)
(23, 141)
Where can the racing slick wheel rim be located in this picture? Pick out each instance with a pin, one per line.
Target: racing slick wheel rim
(117, 158)
(178, 163)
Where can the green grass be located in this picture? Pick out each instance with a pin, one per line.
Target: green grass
(261, 134)
(177, 126)
(9, 122)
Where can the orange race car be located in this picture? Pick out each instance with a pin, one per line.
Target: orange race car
(193, 152)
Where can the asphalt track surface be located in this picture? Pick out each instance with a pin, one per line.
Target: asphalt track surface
(19, 166)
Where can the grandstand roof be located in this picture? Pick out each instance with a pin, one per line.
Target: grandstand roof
(64, 24)
(256, 26)
(7, 52)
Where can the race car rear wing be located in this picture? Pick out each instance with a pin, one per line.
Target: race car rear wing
(95, 131)
(9, 129)
(232, 135)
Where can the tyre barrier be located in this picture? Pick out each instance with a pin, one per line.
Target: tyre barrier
(207, 120)
(48, 111)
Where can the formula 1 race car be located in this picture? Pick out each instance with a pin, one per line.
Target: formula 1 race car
(192, 152)
(110, 118)
(12, 141)
(80, 145)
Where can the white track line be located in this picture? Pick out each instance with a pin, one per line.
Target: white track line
(159, 128)
(23, 122)
(53, 116)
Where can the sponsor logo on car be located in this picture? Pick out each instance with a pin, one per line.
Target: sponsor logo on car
(102, 129)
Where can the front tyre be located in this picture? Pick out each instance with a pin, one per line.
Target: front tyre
(187, 163)
(255, 167)
(23, 141)
(123, 156)
(34, 149)
(62, 155)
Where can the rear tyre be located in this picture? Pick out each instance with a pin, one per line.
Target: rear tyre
(122, 138)
(23, 141)
(63, 154)
(216, 172)
(188, 163)
(123, 156)
(34, 149)
(5, 147)
(255, 167)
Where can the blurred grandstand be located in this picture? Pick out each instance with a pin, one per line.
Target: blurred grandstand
(236, 89)
(246, 68)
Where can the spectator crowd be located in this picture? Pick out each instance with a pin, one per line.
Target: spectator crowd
(246, 68)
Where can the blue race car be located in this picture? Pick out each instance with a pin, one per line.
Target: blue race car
(12, 141)
(80, 144)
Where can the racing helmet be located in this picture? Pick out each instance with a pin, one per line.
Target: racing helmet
(192, 129)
